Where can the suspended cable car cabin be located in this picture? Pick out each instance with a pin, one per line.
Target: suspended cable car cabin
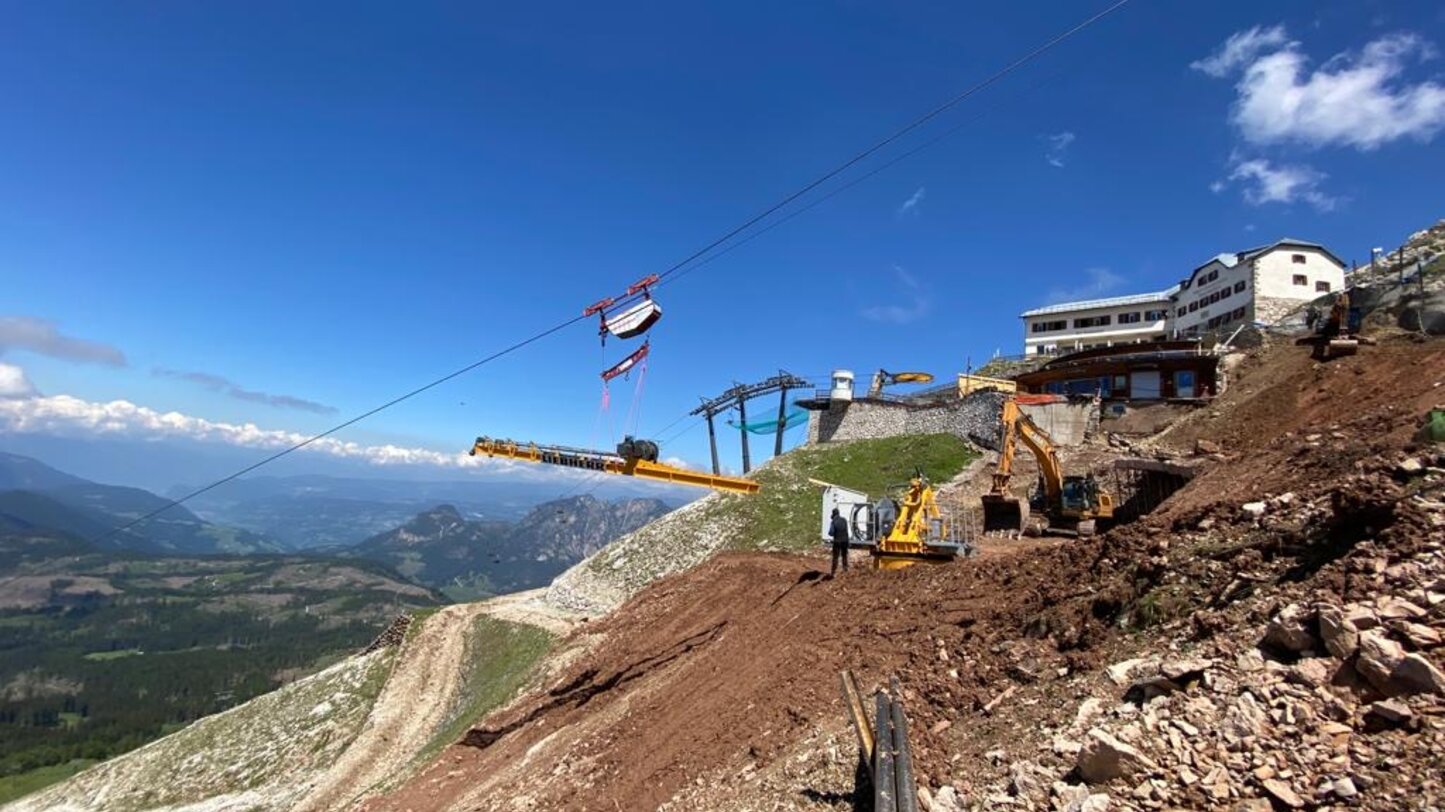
(634, 321)
(627, 320)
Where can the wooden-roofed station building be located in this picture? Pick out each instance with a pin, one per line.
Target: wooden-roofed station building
(1170, 370)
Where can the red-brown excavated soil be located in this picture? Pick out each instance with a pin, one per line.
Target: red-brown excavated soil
(733, 661)
(1292, 421)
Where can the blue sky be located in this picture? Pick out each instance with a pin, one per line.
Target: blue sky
(264, 212)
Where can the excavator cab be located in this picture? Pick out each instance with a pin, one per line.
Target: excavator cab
(1075, 495)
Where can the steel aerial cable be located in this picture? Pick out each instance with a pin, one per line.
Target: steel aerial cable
(837, 190)
(969, 92)
(338, 427)
(675, 268)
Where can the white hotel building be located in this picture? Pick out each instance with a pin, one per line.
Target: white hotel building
(1256, 286)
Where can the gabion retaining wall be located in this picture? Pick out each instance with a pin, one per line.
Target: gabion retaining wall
(973, 418)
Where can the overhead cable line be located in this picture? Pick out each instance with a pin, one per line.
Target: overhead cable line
(975, 89)
(675, 268)
(338, 427)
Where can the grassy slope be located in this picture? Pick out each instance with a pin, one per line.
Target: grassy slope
(501, 658)
(785, 513)
(274, 739)
(16, 786)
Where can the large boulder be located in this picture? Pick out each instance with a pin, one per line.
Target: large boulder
(1291, 630)
(1339, 634)
(1379, 655)
(1104, 758)
(1417, 675)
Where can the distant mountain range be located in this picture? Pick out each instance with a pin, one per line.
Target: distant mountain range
(469, 558)
(307, 512)
(34, 496)
(495, 542)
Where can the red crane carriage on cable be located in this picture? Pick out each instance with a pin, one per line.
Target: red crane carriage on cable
(624, 316)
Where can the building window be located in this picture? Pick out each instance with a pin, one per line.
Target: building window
(1193, 306)
(1121, 382)
(1182, 311)
(1224, 293)
(1301, 279)
(1129, 318)
(1049, 326)
(1093, 321)
(1298, 259)
(1214, 297)
(1322, 287)
(1156, 315)
(1239, 286)
(1238, 313)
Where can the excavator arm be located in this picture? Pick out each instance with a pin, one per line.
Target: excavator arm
(1002, 511)
(883, 378)
(1019, 427)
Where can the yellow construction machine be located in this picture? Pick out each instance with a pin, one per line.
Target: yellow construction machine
(634, 458)
(1337, 333)
(1071, 504)
(899, 530)
(883, 378)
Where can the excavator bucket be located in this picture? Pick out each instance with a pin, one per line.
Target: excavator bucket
(1004, 514)
(1340, 347)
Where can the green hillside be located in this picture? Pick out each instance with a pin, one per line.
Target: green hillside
(103, 652)
(785, 513)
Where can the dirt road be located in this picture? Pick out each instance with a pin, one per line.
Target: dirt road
(531, 608)
(411, 709)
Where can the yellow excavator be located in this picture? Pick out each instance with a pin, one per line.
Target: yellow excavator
(1071, 504)
(1336, 333)
(883, 378)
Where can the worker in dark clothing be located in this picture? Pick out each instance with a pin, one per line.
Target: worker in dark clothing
(839, 532)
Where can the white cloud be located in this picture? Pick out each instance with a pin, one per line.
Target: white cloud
(216, 383)
(912, 309)
(1352, 99)
(1239, 49)
(1218, 186)
(13, 383)
(910, 206)
(40, 336)
(1096, 283)
(71, 416)
(1058, 147)
(1264, 182)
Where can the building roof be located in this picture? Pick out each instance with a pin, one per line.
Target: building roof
(1227, 260)
(1230, 260)
(1114, 301)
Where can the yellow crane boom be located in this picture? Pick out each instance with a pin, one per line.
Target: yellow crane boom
(635, 458)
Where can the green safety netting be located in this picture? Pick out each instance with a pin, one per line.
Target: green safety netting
(796, 418)
(1434, 430)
